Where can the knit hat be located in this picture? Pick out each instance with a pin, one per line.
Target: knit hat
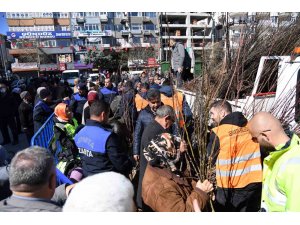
(44, 93)
(3, 156)
(102, 192)
(60, 111)
(38, 91)
(24, 94)
(162, 152)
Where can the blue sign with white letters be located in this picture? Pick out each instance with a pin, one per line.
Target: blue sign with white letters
(38, 35)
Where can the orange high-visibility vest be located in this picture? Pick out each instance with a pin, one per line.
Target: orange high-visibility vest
(140, 102)
(176, 102)
(238, 163)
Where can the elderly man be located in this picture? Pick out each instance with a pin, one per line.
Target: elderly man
(281, 180)
(237, 161)
(32, 180)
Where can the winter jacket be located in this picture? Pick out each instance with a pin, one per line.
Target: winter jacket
(145, 117)
(8, 104)
(109, 94)
(281, 181)
(26, 115)
(41, 113)
(180, 57)
(100, 150)
(235, 192)
(76, 105)
(164, 191)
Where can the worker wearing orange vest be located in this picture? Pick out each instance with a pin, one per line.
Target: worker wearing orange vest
(237, 160)
(140, 98)
(177, 101)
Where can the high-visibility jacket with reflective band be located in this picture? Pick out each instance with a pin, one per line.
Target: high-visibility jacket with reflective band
(176, 102)
(140, 102)
(281, 179)
(69, 128)
(238, 163)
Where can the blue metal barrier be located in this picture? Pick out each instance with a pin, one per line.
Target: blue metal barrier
(44, 138)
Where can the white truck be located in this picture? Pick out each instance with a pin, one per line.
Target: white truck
(277, 93)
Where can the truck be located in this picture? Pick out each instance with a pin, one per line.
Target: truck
(277, 93)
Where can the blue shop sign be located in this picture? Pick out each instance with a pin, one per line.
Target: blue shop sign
(39, 35)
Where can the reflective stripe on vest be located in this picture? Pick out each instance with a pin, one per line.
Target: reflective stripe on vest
(69, 128)
(140, 102)
(175, 102)
(238, 163)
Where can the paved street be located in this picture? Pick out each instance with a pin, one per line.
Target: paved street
(12, 149)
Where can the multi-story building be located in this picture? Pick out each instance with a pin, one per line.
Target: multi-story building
(193, 29)
(241, 22)
(40, 41)
(5, 58)
(48, 42)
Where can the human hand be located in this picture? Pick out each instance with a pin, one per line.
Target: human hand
(206, 186)
(196, 206)
(69, 188)
(183, 146)
(136, 157)
(66, 98)
(179, 69)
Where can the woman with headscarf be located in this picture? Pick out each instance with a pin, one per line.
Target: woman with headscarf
(64, 131)
(164, 188)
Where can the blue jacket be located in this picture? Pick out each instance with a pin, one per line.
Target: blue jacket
(100, 150)
(41, 112)
(145, 117)
(108, 94)
(77, 103)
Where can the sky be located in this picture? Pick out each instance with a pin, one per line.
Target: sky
(3, 24)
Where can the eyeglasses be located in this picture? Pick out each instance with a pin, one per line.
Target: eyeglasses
(255, 139)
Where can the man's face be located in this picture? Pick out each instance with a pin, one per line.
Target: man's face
(261, 138)
(69, 113)
(171, 43)
(107, 83)
(215, 116)
(154, 104)
(151, 80)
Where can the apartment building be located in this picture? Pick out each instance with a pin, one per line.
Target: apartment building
(241, 22)
(193, 29)
(49, 42)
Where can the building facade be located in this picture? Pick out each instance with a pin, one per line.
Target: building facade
(49, 42)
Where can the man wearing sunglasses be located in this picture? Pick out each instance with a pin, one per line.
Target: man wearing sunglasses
(281, 180)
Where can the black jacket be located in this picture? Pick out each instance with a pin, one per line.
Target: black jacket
(145, 117)
(8, 104)
(41, 113)
(26, 115)
(113, 159)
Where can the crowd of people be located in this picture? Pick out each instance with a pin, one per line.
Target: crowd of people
(124, 147)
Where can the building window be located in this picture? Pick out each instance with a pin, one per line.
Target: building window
(108, 27)
(136, 40)
(49, 43)
(110, 15)
(136, 26)
(150, 14)
(149, 27)
(134, 14)
(103, 13)
(91, 14)
(119, 27)
(119, 14)
(91, 27)
(151, 40)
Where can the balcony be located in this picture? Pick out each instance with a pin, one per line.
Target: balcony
(125, 32)
(92, 33)
(238, 14)
(174, 25)
(146, 19)
(80, 19)
(147, 32)
(22, 67)
(136, 31)
(103, 18)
